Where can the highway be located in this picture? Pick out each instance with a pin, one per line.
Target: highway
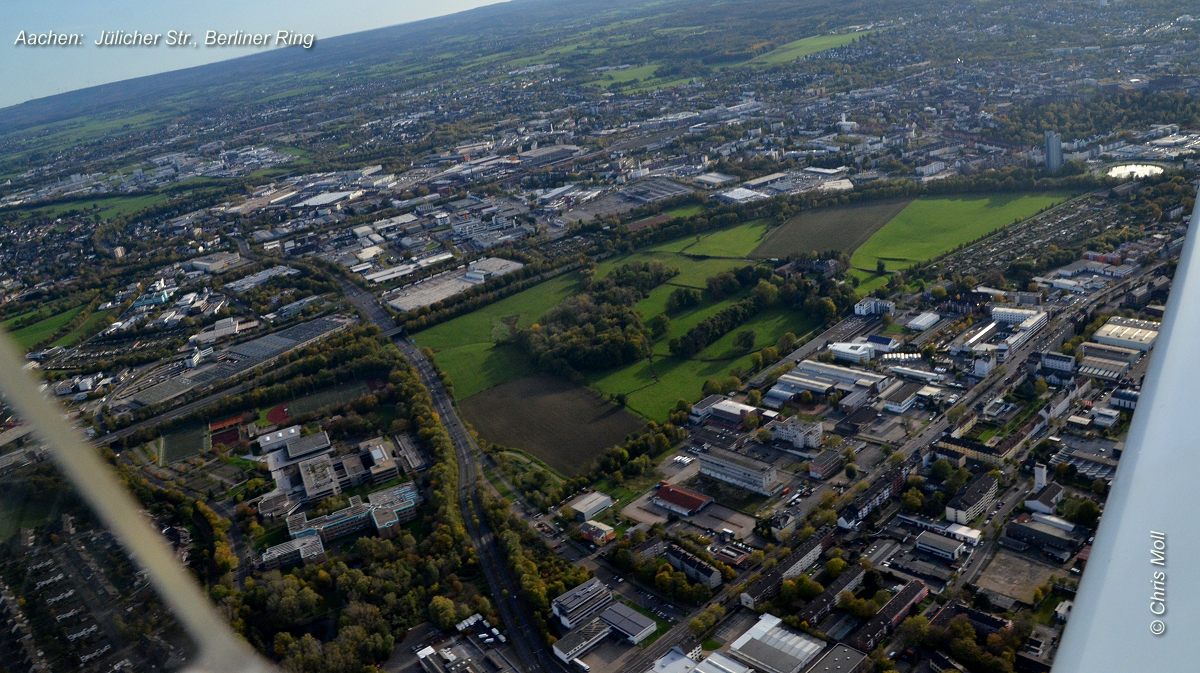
(533, 654)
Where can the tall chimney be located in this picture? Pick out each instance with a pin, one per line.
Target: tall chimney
(1039, 477)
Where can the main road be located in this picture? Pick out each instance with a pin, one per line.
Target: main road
(516, 617)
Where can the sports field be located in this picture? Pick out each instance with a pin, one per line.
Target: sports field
(930, 227)
(184, 442)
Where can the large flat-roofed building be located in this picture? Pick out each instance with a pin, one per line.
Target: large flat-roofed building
(393, 506)
(383, 510)
(899, 399)
(302, 550)
(840, 659)
(974, 500)
(276, 438)
(1051, 539)
(578, 642)
(769, 647)
(578, 605)
(298, 447)
(318, 478)
(590, 505)
(630, 623)
(940, 546)
(741, 471)
(825, 464)
(1128, 333)
(1105, 352)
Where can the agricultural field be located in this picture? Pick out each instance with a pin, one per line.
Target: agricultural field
(183, 443)
(29, 336)
(841, 228)
(930, 227)
(543, 414)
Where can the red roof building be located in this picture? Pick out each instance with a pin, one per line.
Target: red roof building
(680, 500)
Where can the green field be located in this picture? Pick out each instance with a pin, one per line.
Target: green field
(842, 228)
(684, 211)
(652, 389)
(930, 227)
(88, 328)
(184, 442)
(29, 336)
(791, 51)
(465, 346)
(108, 207)
(470, 348)
(329, 397)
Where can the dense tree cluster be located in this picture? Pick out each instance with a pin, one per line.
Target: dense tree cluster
(599, 328)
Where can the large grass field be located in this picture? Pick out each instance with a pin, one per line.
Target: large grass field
(107, 207)
(88, 328)
(930, 227)
(841, 228)
(543, 415)
(466, 347)
(805, 46)
(29, 336)
(470, 349)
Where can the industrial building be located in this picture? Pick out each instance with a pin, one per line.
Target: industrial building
(819, 378)
(741, 471)
(923, 322)
(840, 659)
(769, 647)
(581, 640)
(590, 505)
(856, 353)
(901, 397)
(1131, 333)
(630, 623)
(825, 465)
(940, 546)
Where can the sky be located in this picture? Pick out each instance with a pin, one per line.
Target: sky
(34, 72)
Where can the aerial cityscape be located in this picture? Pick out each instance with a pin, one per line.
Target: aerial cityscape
(638, 336)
